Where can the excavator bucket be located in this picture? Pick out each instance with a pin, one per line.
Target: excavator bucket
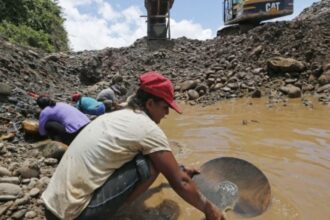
(158, 18)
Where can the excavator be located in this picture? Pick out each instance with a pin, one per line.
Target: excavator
(249, 13)
(158, 19)
(245, 13)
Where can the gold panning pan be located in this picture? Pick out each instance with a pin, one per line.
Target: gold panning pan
(232, 183)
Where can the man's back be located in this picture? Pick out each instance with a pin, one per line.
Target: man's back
(103, 146)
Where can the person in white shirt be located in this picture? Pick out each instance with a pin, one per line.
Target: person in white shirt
(118, 156)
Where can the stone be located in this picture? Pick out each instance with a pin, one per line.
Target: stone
(19, 214)
(34, 192)
(5, 89)
(256, 51)
(22, 201)
(14, 180)
(51, 161)
(256, 94)
(52, 149)
(4, 207)
(27, 172)
(8, 136)
(30, 214)
(189, 84)
(324, 78)
(9, 191)
(283, 65)
(4, 172)
(324, 88)
(192, 94)
(291, 90)
(30, 126)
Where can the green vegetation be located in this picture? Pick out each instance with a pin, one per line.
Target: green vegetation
(35, 23)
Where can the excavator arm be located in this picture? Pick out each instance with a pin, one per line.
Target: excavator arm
(158, 18)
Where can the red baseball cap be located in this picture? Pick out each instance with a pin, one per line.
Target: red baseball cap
(160, 86)
(75, 97)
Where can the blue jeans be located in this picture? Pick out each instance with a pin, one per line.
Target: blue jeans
(114, 192)
(56, 131)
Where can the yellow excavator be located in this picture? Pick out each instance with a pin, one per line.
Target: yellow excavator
(252, 12)
(158, 19)
(246, 13)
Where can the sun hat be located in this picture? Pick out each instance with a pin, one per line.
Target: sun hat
(160, 86)
(75, 97)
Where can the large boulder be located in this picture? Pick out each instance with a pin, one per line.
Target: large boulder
(284, 65)
(52, 149)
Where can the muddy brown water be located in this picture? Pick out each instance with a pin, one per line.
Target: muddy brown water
(289, 142)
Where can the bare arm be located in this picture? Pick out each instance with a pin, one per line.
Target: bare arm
(165, 163)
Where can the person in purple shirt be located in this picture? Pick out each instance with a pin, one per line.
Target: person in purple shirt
(60, 121)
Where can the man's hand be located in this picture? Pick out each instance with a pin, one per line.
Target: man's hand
(212, 212)
(190, 171)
